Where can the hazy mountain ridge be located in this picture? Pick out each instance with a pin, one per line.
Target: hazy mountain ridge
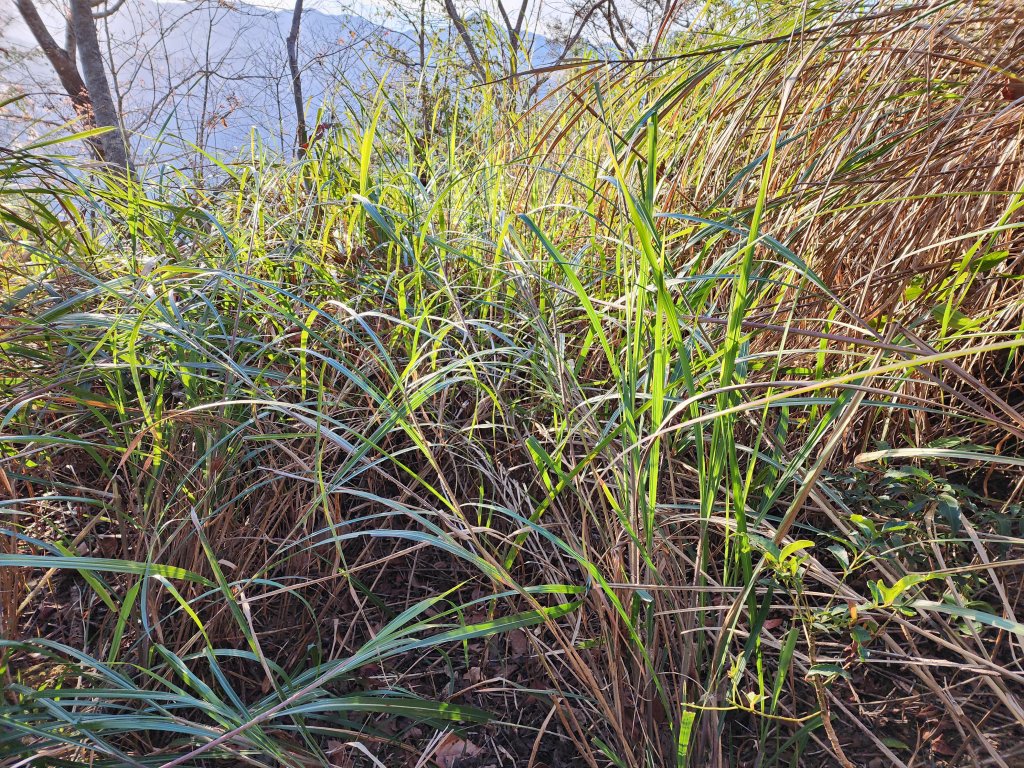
(212, 74)
(208, 75)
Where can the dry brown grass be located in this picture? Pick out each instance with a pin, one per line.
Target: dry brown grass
(535, 438)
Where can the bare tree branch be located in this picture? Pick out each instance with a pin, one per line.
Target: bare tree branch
(62, 61)
(110, 10)
(513, 36)
(460, 25)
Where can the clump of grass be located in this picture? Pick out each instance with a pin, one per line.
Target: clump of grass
(674, 422)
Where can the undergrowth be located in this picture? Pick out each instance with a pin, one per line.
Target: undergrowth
(673, 421)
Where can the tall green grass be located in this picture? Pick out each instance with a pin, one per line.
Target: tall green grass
(691, 391)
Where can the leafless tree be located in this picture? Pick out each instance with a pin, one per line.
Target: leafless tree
(177, 75)
(88, 87)
(62, 59)
(629, 28)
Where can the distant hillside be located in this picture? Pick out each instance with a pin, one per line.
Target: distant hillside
(204, 73)
(209, 73)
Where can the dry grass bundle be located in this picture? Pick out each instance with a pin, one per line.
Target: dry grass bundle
(688, 437)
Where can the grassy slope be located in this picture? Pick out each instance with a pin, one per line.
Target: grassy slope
(676, 423)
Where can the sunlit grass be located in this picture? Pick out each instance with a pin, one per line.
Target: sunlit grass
(613, 386)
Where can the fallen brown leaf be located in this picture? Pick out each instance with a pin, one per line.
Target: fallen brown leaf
(453, 749)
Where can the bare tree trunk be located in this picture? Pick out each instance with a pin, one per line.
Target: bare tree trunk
(115, 150)
(301, 135)
(423, 138)
(63, 62)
